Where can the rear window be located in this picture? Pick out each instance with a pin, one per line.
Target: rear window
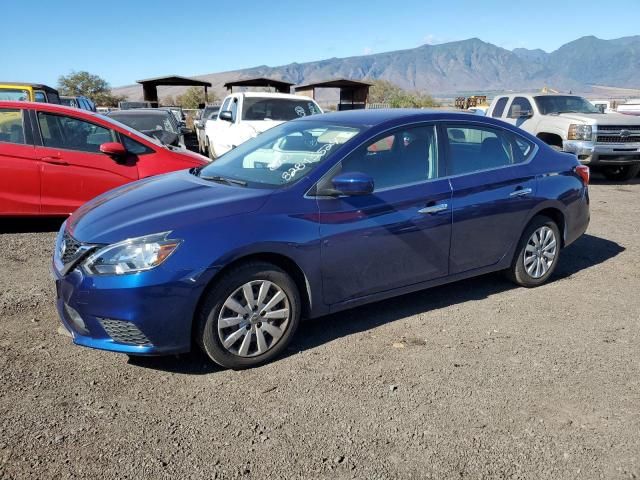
(280, 109)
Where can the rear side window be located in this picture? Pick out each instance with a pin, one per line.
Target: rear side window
(39, 96)
(518, 106)
(11, 126)
(476, 148)
(498, 110)
(60, 131)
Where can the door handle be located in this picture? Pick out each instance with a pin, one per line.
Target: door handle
(434, 208)
(521, 192)
(54, 161)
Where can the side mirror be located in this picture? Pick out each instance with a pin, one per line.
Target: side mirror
(525, 114)
(226, 116)
(352, 183)
(113, 149)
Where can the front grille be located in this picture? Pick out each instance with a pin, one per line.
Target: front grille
(71, 247)
(618, 139)
(124, 332)
(614, 128)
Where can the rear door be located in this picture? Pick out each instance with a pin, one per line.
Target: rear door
(73, 168)
(494, 189)
(19, 165)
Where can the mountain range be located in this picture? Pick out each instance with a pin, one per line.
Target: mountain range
(465, 66)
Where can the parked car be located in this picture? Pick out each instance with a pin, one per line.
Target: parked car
(630, 107)
(244, 115)
(311, 217)
(128, 105)
(178, 114)
(28, 92)
(210, 112)
(78, 102)
(603, 105)
(609, 142)
(54, 158)
(154, 122)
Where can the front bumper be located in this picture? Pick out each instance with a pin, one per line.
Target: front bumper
(149, 313)
(598, 154)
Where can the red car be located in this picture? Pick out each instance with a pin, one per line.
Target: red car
(55, 158)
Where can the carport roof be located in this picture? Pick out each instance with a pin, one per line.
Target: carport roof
(175, 80)
(336, 83)
(279, 85)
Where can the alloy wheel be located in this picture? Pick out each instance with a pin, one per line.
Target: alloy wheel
(253, 318)
(540, 252)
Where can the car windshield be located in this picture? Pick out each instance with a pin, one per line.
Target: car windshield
(144, 122)
(280, 109)
(549, 104)
(280, 156)
(15, 95)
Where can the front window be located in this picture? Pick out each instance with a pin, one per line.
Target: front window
(59, 131)
(281, 155)
(279, 109)
(554, 104)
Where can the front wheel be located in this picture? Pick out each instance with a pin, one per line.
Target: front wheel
(621, 172)
(537, 253)
(249, 316)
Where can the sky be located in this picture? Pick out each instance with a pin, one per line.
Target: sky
(124, 41)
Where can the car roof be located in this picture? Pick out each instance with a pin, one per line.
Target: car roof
(49, 107)
(40, 86)
(148, 111)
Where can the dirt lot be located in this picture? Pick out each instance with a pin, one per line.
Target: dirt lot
(473, 380)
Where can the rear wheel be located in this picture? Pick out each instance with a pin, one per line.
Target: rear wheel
(537, 253)
(621, 172)
(249, 317)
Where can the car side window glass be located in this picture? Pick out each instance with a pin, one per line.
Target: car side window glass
(476, 148)
(59, 131)
(518, 106)
(406, 156)
(498, 110)
(134, 147)
(11, 126)
(39, 96)
(225, 105)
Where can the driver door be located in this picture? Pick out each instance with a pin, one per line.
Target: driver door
(73, 168)
(400, 234)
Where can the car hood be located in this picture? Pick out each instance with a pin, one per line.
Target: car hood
(602, 118)
(261, 125)
(166, 202)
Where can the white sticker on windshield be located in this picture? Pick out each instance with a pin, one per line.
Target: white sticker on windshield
(300, 111)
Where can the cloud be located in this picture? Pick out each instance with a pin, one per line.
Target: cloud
(431, 39)
(367, 50)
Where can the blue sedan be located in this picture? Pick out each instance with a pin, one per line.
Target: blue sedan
(314, 216)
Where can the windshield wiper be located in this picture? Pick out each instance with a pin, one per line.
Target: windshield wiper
(227, 180)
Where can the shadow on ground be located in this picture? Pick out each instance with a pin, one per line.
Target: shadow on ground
(586, 252)
(31, 225)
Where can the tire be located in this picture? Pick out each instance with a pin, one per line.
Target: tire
(230, 290)
(621, 173)
(524, 271)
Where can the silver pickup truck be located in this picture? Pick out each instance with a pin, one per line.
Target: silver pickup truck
(608, 142)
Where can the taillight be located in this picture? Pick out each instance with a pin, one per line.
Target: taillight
(583, 171)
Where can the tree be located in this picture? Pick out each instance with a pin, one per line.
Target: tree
(88, 85)
(193, 97)
(383, 91)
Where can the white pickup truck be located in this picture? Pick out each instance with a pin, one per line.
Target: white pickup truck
(245, 115)
(608, 142)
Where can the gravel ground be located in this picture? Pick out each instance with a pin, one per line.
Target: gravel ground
(477, 379)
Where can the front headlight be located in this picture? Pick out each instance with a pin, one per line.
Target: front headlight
(579, 132)
(132, 255)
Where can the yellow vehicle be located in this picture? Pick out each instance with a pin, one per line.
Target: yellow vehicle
(28, 92)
